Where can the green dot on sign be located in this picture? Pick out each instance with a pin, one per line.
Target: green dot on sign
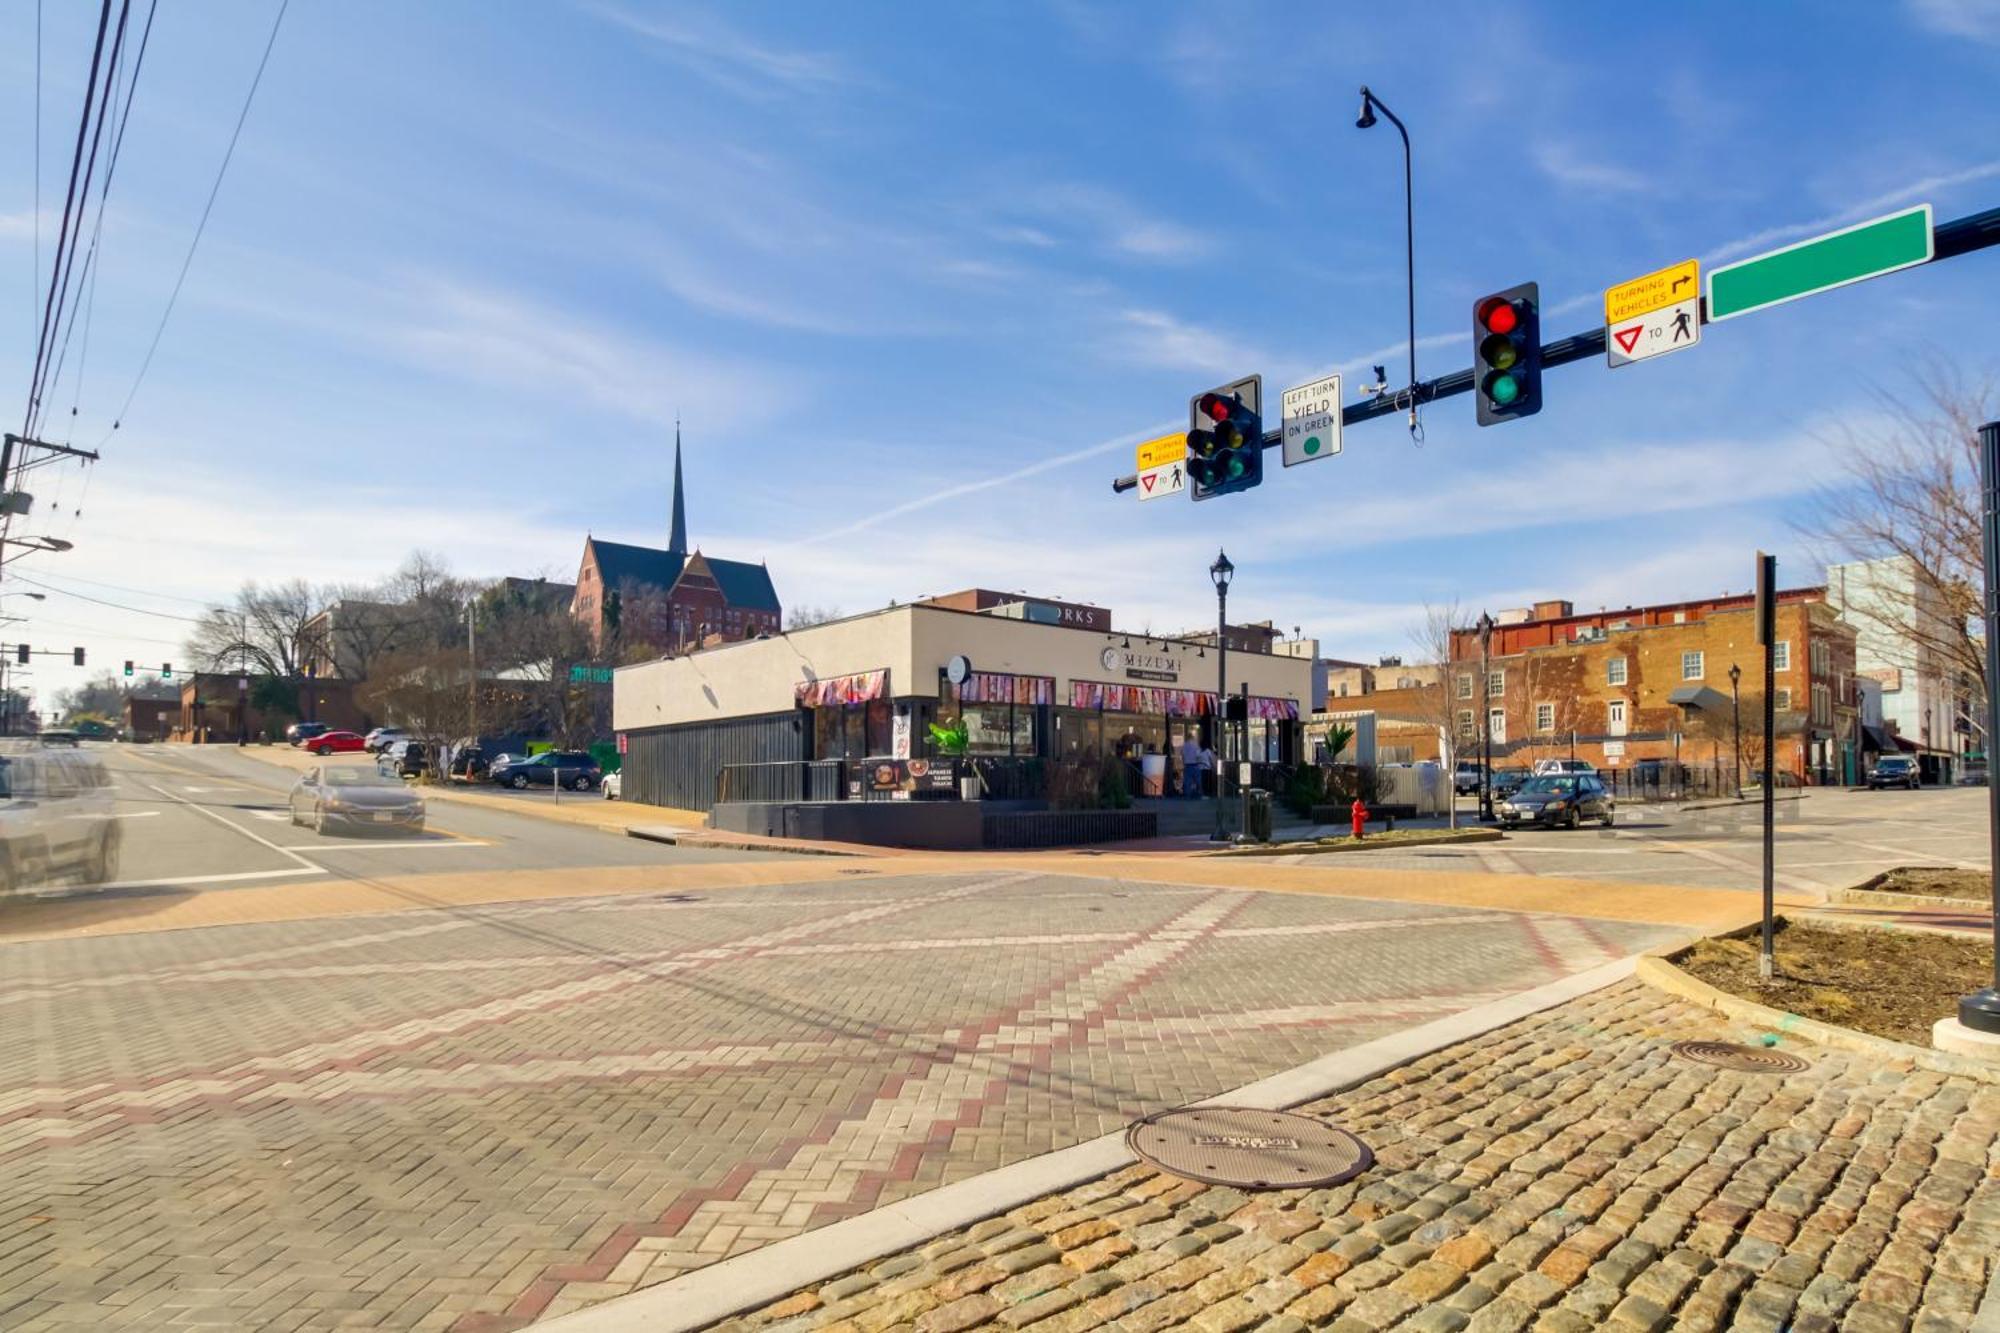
(1312, 444)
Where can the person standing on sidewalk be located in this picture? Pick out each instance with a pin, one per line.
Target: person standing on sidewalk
(1190, 767)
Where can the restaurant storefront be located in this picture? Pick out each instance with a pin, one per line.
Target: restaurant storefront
(872, 687)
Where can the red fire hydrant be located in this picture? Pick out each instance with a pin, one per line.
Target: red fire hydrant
(1360, 813)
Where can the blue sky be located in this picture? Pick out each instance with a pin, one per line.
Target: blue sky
(915, 278)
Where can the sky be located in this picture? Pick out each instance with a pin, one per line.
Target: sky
(915, 279)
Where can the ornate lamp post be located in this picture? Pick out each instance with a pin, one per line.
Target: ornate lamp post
(1219, 574)
(1736, 723)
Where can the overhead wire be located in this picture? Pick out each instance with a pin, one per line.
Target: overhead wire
(146, 364)
(116, 606)
(123, 587)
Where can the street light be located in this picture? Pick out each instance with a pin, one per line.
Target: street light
(1736, 724)
(1485, 715)
(1219, 574)
(1370, 104)
(40, 543)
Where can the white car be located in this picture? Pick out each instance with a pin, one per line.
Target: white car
(612, 788)
(379, 740)
(1557, 768)
(56, 817)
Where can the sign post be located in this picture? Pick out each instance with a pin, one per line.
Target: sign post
(1980, 1010)
(1852, 254)
(1312, 421)
(1653, 315)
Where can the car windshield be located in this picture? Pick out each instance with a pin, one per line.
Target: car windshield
(1548, 786)
(360, 777)
(1893, 765)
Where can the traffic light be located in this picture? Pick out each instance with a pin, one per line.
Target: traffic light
(76, 656)
(1507, 354)
(128, 666)
(1225, 441)
(166, 671)
(21, 653)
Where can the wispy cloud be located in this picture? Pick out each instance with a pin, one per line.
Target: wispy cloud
(1977, 19)
(1914, 192)
(1079, 213)
(1561, 163)
(1156, 338)
(711, 49)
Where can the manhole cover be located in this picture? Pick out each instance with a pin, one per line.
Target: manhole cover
(1741, 1059)
(1233, 1145)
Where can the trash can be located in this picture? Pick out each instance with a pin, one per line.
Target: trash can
(1256, 814)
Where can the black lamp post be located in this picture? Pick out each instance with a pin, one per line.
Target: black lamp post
(1736, 723)
(1485, 719)
(1219, 574)
(1980, 1010)
(1370, 104)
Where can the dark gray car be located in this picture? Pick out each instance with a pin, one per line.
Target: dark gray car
(1563, 799)
(349, 796)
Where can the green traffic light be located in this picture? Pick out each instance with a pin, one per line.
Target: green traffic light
(1235, 466)
(1503, 389)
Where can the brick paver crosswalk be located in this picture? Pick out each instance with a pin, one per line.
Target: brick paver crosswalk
(469, 1118)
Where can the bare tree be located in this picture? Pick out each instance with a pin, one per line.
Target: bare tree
(1432, 638)
(262, 630)
(1908, 491)
(425, 691)
(803, 617)
(103, 696)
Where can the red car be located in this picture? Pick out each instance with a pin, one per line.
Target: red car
(336, 742)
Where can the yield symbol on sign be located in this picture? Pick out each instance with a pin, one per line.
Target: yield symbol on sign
(1147, 479)
(1628, 338)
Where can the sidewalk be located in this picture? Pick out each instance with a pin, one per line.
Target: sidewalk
(1566, 1172)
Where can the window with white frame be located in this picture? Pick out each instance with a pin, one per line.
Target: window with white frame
(1465, 727)
(1782, 701)
(1465, 687)
(1614, 671)
(1691, 664)
(1781, 655)
(1496, 683)
(1545, 717)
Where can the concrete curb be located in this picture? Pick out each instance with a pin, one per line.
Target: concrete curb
(1660, 974)
(674, 837)
(1376, 844)
(1865, 898)
(1988, 1318)
(710, 1295)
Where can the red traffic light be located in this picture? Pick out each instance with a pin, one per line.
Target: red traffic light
(1500, 315)
(1216, 407)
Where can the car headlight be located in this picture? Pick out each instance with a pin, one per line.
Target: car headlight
(1556, 805)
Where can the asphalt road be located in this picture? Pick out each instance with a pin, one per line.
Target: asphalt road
(1825, 839)
(210, 819)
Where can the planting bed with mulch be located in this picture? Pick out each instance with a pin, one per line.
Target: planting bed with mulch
(1888, 983)
(1406, 837)
(1936, 881)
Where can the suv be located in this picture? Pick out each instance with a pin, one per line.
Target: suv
(1465, 780)
(300, 732)
(379, 740)
(572, 768)
(403, 758)
(1894, 770)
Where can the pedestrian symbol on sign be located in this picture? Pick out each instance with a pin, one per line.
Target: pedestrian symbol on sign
(1681, 330)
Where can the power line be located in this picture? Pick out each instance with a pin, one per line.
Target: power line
(122, 587)
(202, 225)
(116, 606)
(34, 288)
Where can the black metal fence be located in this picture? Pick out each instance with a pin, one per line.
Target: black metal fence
(1664, 780)
(783, 780)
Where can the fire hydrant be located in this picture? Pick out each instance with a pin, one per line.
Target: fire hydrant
(1360, 813)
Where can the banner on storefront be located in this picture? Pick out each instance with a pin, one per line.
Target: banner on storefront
(995, 687)
(843, 690)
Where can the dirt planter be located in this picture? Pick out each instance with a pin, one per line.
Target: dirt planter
(1657, 970)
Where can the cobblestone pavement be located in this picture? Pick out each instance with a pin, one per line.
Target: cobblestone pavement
(1564, 1173)
(473, 1117)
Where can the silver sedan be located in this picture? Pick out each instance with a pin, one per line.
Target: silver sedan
(334, 796)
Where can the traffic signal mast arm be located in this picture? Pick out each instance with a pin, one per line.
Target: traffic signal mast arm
(1961, 236)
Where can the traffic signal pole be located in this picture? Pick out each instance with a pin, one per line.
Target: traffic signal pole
(1961, 236)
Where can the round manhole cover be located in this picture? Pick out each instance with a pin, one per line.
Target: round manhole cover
(1741, 1059)
(1234, 1145)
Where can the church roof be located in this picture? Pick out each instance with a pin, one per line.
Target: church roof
(743, 585)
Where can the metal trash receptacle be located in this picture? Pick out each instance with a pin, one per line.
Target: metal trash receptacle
(1257, 814)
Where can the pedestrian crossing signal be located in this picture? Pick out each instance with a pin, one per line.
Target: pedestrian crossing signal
(1225, 442)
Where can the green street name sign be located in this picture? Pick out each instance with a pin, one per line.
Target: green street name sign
(590, 675)
(1865, 250)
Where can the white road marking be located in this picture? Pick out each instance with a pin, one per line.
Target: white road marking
(373, 844)
(235, 827)
(208, 879)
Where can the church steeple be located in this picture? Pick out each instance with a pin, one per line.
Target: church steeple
(677, 541)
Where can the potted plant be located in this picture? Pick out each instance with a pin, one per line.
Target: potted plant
(951, 740)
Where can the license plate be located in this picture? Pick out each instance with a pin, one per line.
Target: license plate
(384, 818)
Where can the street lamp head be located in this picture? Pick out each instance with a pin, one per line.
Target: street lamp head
(1221, 571)
(1485, 629)
(1367, 116)
(1735, 674)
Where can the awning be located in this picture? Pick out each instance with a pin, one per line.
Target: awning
(1874, 738)
(842, 690)
(1140, 698)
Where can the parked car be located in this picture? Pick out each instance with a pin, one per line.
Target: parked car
(1972, 775)
(379, 740)
(1507, 781)
(331, 797)
(572, 768)
(611, 786)
(1553, 767)
(59, 737)
(405, 759)
(305, 731)
(1894, 770)
(56, 823)
(468, 763)
(336, 742)
(1465, 779)
(1551, 799)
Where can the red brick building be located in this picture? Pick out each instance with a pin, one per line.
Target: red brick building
(672, 599)
(1652, 683)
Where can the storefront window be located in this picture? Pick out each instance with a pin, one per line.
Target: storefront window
(1080, 733)
(991, 728)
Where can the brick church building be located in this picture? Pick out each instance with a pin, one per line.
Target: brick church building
(673, 599)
